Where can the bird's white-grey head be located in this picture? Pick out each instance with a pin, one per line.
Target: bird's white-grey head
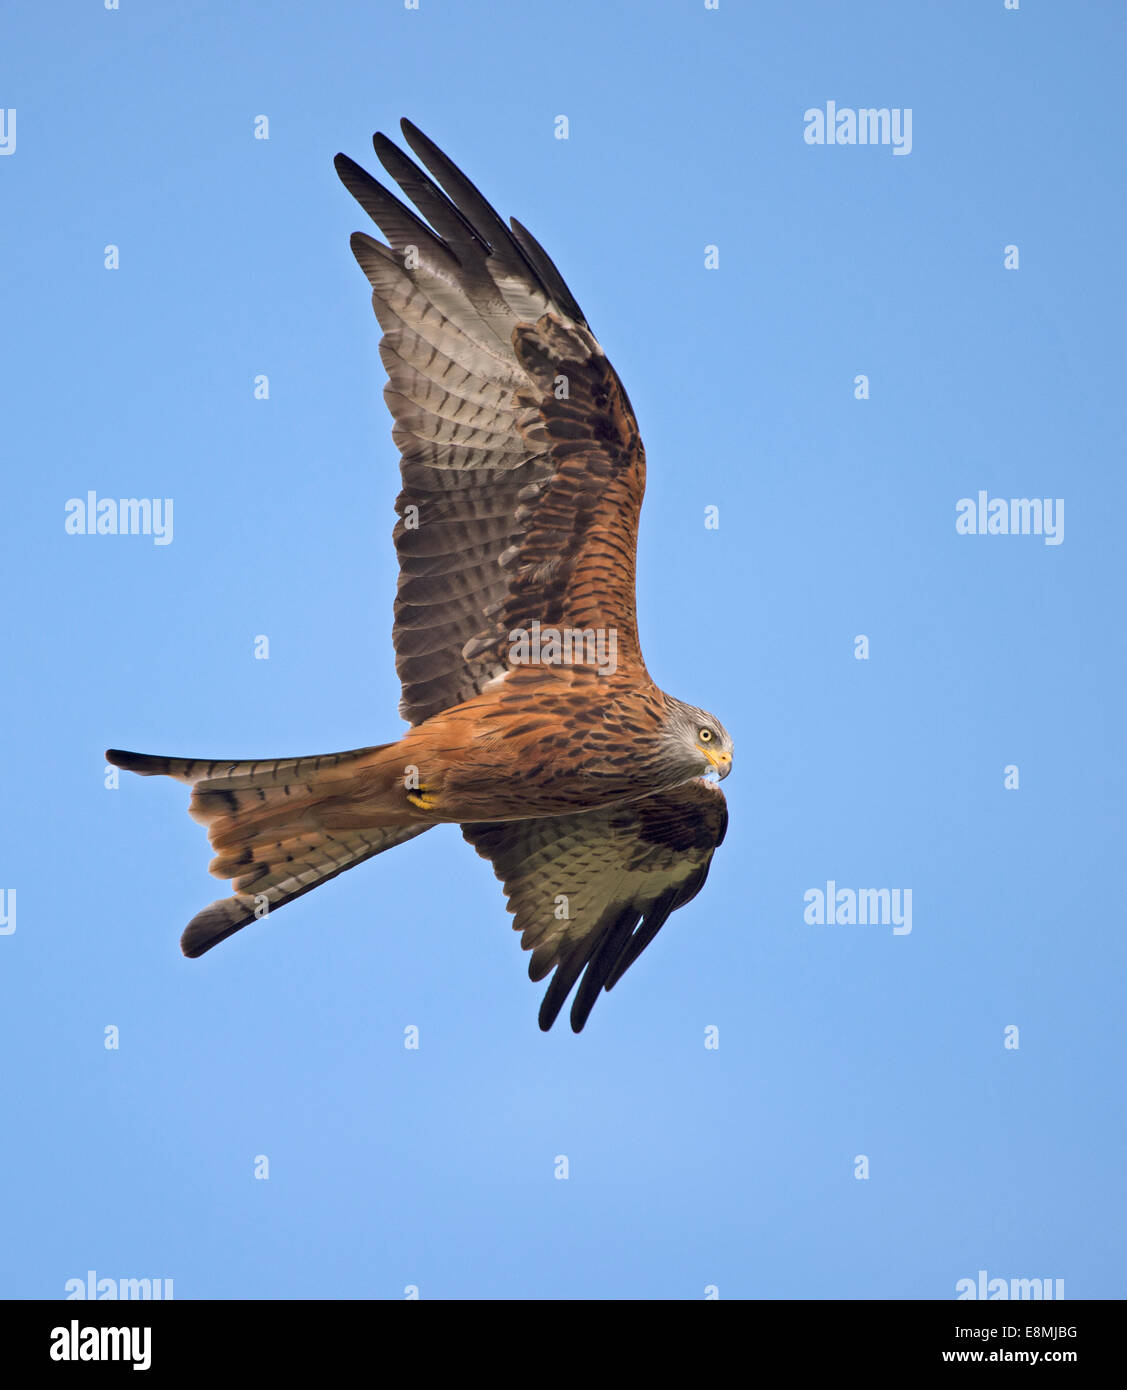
(695, 740)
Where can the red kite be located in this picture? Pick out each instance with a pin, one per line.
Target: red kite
(535, 725)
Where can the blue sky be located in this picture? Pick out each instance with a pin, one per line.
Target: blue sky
(735, 1167)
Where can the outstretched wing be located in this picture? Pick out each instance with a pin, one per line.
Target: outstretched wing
(523, 471)
(617, 874)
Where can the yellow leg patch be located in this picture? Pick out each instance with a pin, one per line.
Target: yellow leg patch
(423, 800)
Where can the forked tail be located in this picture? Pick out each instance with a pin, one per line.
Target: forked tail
(265, 820)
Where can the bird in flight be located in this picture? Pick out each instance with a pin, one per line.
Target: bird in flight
(534, 724)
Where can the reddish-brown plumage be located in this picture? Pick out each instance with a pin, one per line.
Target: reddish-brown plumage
(534, 723)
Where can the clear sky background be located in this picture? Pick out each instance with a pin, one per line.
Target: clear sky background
(689, 1167)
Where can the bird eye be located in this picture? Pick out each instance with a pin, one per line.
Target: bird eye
(705, 736)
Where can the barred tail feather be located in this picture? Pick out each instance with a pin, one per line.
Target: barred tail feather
(265, 821)
(231, 775)
(297, 866)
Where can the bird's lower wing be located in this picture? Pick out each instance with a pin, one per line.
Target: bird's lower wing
(590, 892)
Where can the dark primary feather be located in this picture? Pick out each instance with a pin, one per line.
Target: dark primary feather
(622, 871)
(510, 493)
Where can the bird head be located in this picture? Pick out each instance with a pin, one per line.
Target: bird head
(697, 739)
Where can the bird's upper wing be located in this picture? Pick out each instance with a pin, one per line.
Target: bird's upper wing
(593, 890)
(523, 471)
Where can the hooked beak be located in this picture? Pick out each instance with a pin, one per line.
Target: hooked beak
(722, 762)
